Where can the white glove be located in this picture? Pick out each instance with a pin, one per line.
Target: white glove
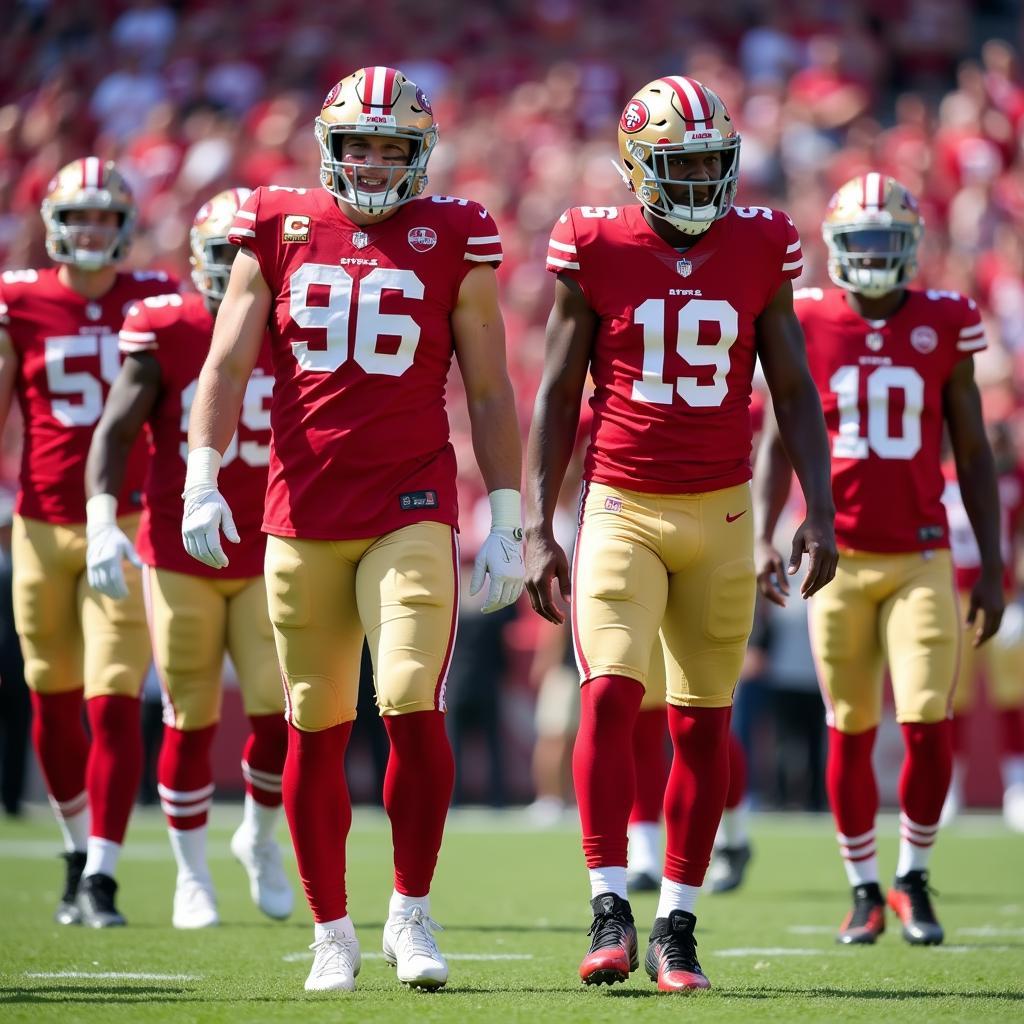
(206, 511)
(107, 546)
(501, 554)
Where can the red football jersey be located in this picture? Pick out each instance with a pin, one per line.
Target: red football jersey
(177, 329)
(675, 349)
(962, 543)
(362, 342)
(67, 359)
(881, 384)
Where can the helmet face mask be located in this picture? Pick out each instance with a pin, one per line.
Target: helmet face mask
(872, 231)
(673, 118)
(212, 253)
(379, 102)
(88, 184)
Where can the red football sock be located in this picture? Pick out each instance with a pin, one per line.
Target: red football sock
(115, 763)
(185, 776)
(417, 790)
(602, 766)
(737, 773)
(927, 767)
(316, 803)
(697, 785)
(852, 791)
(62, 746)
(961, 734)
(1011, 731)
(650, 762)
(263, 758)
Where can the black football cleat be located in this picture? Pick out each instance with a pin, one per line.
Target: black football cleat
(643, 881)
(67, 911)
(96, 902)
(866, 920)
(613, 952)
(728, 866)
(671, 959)
(910, 899)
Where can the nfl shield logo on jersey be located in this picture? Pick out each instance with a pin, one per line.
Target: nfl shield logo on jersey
(874, 341)
(360, 239)
(684, 268)
(423, 239)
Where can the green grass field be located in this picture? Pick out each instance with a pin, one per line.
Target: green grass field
(514, 905)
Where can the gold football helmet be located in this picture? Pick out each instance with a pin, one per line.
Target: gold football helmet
(667, 117)
(872, 230)
(381, 101)
(87, 184)
(212, 253)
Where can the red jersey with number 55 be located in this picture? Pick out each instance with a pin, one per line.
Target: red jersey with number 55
(362, 342)
(67, 354)
(674, 353)
(176, 330)
(881, 385)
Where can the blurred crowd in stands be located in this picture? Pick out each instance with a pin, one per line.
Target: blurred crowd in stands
(193, 96)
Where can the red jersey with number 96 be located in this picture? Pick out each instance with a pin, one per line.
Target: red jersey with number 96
(67, 354)
(881, 384)
(673, 357)
(361, 341)
(176, 331)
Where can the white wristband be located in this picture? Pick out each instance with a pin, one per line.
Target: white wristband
(506, 509)
(202, 469)
(100, 510)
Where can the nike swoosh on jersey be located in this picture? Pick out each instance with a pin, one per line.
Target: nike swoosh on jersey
(732, 518)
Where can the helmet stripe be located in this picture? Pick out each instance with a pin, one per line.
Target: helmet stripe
(873, 190)
(369, 75)
(388, 98)
(691, 99)
(85, 168)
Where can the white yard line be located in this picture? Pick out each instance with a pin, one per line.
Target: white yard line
(114, 975)
(991, 932)
(810, 929)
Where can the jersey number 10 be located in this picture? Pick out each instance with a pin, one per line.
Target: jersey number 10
(880, 383)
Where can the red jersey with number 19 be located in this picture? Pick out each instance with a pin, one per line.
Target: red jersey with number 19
(881, 384)
(176, 331)
(362, 342)
(67, 354)
(674, 353)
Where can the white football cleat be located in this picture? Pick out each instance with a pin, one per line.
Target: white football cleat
(1013, 806)
(336, 962)
(409, 947)
(268, 884)
(195, 904)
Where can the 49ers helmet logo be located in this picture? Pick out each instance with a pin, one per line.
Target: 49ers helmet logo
(635, 117)
(423, 239)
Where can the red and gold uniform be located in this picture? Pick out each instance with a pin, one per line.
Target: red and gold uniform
(197, 612)
(666, 536)
(66, 346)
(361, 507)
(881, 384)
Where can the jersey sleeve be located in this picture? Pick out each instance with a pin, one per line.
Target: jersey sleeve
(5, 313)
(971, 336)
(483, 242)
(137, 333)
(563, 257)
(243, 229)
(793, 257)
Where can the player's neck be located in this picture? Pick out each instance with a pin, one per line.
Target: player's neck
(667, 233)
(363, 220)
(92, 284)
(879, 308)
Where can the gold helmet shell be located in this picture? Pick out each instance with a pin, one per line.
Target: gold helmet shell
(212, 253)
(381, 101)
(667, 117)
(87, 184)
(872, 229)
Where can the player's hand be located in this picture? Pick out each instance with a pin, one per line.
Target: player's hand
(107, 547)
(206, 515)
(545, 562)
(817, 537)
(987, 600)
(501, 558)
(771, 573)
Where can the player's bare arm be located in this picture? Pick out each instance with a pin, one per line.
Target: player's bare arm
(569, 339)
(8, 374)
(976, 472)
(801, 431)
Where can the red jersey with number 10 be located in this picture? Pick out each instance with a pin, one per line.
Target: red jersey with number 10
(176, 331)
(67, 354)
(361, 340)
(674, 353)
(881, 384)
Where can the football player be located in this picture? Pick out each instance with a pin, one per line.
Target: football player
(893, 365)
(369, 287)
(196, 613)
(667, 303)
(1001, 661)
(58, 352)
